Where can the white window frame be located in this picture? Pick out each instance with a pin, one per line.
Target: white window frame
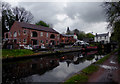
(19, 32)
(15, 34)
(41, 33)
(47, 34)
(11, 34)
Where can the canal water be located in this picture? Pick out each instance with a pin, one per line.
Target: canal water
(55, 68)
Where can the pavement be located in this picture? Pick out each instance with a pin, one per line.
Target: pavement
(109, 72)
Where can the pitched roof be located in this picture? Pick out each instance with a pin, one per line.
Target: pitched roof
(67, 35)
(35, 27)
(104, 34)
(88, 39)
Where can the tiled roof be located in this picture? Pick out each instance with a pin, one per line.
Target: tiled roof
(35, 27)
(105, 34)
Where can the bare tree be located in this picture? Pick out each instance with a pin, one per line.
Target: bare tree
(22, 15)
(9, 15)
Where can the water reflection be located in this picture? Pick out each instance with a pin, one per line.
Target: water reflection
(48, 68)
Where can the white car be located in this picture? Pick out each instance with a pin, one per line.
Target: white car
(78, 42)
(27, 47)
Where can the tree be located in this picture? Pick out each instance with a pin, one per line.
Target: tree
(42, 23)
(113, 17)
(81, 35)
(9, 15)
(76, 31)
(90, 35)
(22, 15)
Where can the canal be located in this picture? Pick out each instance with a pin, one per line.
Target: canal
(55, 68)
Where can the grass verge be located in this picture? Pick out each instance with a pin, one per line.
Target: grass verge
(83, 76)
(15, 52)
(77, 78)
(90, 69)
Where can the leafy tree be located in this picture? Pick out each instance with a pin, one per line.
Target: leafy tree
(81, 35)
(90, 35)
(76, 31)
(42, 23)
(113, 17)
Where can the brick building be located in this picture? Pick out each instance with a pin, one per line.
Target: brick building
(25, 34)
(66, 39)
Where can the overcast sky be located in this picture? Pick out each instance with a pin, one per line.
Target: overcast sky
(84, 16)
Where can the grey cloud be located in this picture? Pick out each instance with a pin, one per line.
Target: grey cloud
(82, 14)
(44, 10)
(89, 12)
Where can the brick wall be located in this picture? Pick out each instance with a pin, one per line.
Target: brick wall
(17, 33)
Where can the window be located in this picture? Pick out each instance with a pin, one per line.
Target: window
(34, 34)
(11, 34)
(41, 41)
(58, 36)
(15, 40)
(20, 40)
(24, 41)
(52, 36)
(57, 42)
(46, 41)
(47, 35)
(35, 42)
(25, 31)
(105, 37)
(7, 35)
(15, 34)
(41, 34)
(19, 32)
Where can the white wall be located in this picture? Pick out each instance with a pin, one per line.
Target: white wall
(101, 39)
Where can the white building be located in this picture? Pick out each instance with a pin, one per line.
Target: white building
(103, 38)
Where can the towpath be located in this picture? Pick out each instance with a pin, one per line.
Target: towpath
(109, 72)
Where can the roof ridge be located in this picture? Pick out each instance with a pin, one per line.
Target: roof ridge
(32, 24)
(35, 27)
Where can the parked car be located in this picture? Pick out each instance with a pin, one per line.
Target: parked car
(80, 43)
(26, 47)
